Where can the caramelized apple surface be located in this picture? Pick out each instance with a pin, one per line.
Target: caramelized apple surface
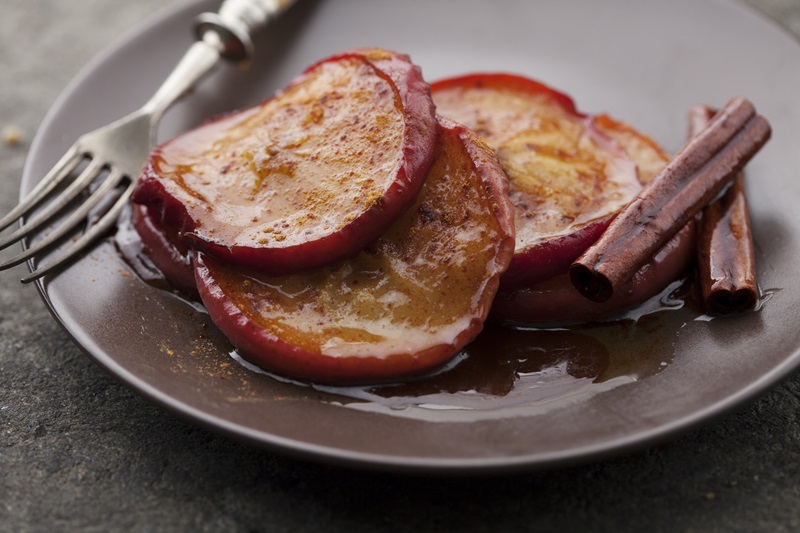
(306, 178)
(401, 307)
(556, 300)
(567, 179)
(648, 156)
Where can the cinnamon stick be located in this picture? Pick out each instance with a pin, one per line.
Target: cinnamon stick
(725, 252)
(701, 169)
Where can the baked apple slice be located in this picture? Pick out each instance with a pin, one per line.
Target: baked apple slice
(401, 307)
(567, 179)
(168, 253)
(306, 178)
(557, 300)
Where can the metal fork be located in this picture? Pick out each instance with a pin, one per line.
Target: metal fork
(121, 148)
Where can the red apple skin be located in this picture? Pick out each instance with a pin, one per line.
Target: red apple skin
(542, 261)
(402, 307)
(568, 179)
(513, 82)
(556, 301)
(341, 232)
(172, 257)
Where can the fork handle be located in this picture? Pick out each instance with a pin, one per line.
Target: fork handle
(236, 22)
(226, 34)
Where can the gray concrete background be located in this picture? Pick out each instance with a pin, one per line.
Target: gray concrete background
(80, 452)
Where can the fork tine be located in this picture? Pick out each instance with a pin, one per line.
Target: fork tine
(76, 217)
(98, 229)
(73, 190)
(52, 179)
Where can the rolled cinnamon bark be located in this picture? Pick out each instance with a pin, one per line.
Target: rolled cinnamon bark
(701, 169)
(725, 251)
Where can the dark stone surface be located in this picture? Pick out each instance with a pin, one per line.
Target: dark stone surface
(78, 451)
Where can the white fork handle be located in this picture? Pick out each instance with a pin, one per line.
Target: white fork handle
(225, 34)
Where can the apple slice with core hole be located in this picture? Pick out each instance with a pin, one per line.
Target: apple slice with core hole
(306, 178)
(401, 307)
(567, 179)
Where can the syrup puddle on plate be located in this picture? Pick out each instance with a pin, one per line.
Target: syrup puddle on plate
(506, 371)
(510, 371)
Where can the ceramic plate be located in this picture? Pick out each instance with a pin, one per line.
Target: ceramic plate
(544, 399)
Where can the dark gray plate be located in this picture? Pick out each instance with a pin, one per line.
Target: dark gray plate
(645, 62)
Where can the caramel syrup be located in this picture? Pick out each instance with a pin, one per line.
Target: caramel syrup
(509, 369)
(513, 369)
(506, 369)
